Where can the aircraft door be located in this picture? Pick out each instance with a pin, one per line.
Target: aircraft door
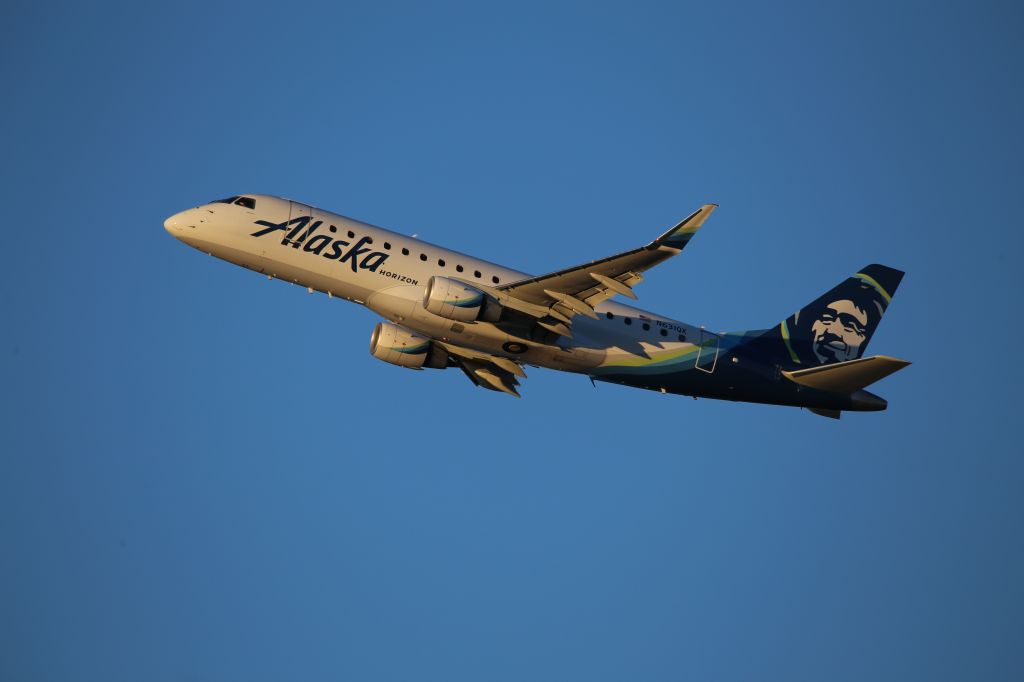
(296, 212)
(270, 250)
(707, 351)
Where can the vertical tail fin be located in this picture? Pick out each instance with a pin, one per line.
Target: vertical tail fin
(838, 325)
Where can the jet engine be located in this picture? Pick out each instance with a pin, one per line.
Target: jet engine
(457, 301)
(404, 348)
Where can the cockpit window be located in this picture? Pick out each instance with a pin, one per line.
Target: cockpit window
(229, 200)
(247, 202)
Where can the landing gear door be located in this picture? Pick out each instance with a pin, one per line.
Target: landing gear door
(707, 351)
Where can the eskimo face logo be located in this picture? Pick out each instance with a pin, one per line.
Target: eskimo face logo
(838, 326)
(839, 331)
(299, 233)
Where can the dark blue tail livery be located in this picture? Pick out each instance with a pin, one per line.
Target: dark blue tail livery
(837, 326)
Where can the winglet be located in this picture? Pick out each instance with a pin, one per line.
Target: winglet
(678, 236)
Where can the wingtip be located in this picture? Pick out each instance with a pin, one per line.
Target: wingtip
(894, 361)
(684, 230)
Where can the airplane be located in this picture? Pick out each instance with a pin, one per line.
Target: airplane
(446, 309)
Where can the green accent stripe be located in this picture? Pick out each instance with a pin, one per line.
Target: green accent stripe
(784, 328)
(466, 302)
(413, 350)
(871, 280)
(668, 357)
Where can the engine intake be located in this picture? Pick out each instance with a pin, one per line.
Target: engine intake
(404, 348)
(454, 300)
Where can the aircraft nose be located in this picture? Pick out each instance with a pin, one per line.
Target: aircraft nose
(176, 223)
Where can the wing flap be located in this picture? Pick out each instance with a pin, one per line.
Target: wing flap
(617, 286)
(485, 370)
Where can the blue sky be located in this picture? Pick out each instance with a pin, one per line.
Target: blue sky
(205, 476)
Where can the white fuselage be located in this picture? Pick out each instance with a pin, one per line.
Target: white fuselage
(388, 273)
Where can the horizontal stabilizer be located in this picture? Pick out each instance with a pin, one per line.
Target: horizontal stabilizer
(847, 377)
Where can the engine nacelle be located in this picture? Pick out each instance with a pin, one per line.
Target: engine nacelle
(457, 301)
(404, 348)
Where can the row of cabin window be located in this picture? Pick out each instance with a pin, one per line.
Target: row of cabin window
(646, 326)
(423, 257)
(440, 261)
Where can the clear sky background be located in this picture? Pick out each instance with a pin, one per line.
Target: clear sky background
(205, 476)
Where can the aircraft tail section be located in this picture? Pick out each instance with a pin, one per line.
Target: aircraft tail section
(849, 378)
(837, 326)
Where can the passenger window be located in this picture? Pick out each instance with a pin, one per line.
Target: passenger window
(476, 273)
(664, 332)
(351, 234)
(647, 327)
(440, 261)
(387, 246)
(682, 337)
(423, 256)
(405, 252)
(629, 320)
(609, 316)
(494, 279)
(246, 202)
(459, 268)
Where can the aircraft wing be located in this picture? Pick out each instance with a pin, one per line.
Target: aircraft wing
(486, 370)
(556, 297)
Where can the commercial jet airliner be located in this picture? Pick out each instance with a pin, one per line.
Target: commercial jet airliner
(446, 309)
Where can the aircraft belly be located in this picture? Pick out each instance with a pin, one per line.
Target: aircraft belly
(291, 269)
(228, 253)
